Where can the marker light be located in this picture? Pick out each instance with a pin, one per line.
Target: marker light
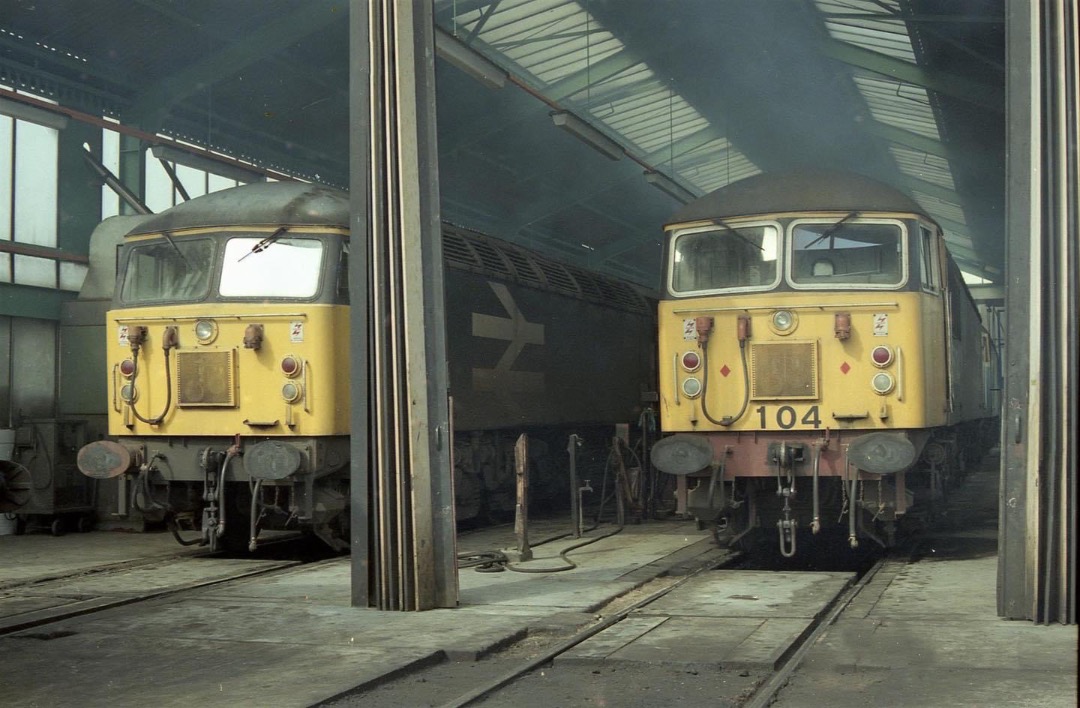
(128, 393)
(291, 391)
(691, 361)
(881, 356)
(291, 366)
(691, 387)
(206, 331)
(127, 368)
(882, 383)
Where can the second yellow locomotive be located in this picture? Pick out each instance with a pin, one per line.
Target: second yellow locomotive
(817, 345)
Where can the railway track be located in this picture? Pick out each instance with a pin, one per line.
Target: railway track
(39, 601)
(541, 674)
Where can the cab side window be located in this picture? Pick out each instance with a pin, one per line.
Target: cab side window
(928, 265)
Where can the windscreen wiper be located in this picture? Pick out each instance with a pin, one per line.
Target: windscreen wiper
(831, 231)
(735, 232)
(265, 243)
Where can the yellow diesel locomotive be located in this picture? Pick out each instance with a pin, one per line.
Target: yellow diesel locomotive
(227, 358)
(820, 358)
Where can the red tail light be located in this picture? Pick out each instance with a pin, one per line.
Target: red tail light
(691, 361)
(881, 356)
(290, 366)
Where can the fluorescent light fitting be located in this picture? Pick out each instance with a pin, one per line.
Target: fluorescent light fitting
(450, 49)
(206, 164)
(669, 186)
(587, 134)
(32, 114)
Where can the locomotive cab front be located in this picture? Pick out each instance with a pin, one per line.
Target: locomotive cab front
(223, 366)
(806, 333)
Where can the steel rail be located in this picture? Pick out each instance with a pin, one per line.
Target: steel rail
(573, 641)
(766, 693)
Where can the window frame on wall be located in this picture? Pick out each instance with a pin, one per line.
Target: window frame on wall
(30, 207)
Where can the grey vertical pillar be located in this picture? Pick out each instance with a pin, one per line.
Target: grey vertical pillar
(1037, 548)
(405, 463)
(359, 159)
(1014, 555)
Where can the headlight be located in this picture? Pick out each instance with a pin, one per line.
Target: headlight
(128, 393)
(783, 321)
(206, 331)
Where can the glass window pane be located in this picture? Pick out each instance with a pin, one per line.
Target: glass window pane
(159, 188)
(30, 270)
(72, 276)
(168, 272)
(288, 267)
(110, 157)
(721, 258)
(7, 164)
(194, 181)
(35, 184)
(218, 183)
(5, 267)
(852, 253)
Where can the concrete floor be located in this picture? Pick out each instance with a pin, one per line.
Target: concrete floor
(920, 634)
(289, 639)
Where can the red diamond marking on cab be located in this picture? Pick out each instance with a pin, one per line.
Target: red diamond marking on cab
(845, 368)
(725, 371)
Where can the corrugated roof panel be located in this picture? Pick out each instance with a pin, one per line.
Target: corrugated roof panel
(921, 165)
(939, 208)
(898, 104)
(551, 40)
(868, 24)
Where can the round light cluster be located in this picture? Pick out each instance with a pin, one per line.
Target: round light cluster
(291, 366)
(291, 391)
(881, 356)
(127, 368)
(691, 387)
(206, 331)
(691, 361)
(882, 383)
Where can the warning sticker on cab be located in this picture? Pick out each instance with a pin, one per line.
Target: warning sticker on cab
(296, 332)
(881, 324)
(689, 329)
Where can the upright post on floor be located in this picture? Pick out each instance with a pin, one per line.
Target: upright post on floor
(403, 511)
(575, 493)
(521, 516)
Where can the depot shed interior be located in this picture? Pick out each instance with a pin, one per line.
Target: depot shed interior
(573, 127)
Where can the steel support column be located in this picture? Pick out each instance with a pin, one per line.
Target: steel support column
(401, 491)
(1037, 546)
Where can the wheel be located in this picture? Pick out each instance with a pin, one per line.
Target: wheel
(85, 524)
(57, 527)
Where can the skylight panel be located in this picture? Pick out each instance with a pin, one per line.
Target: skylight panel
(874, 25)
(898, 104)
(918, 164)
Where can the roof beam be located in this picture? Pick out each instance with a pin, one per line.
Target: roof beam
(988, 96)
